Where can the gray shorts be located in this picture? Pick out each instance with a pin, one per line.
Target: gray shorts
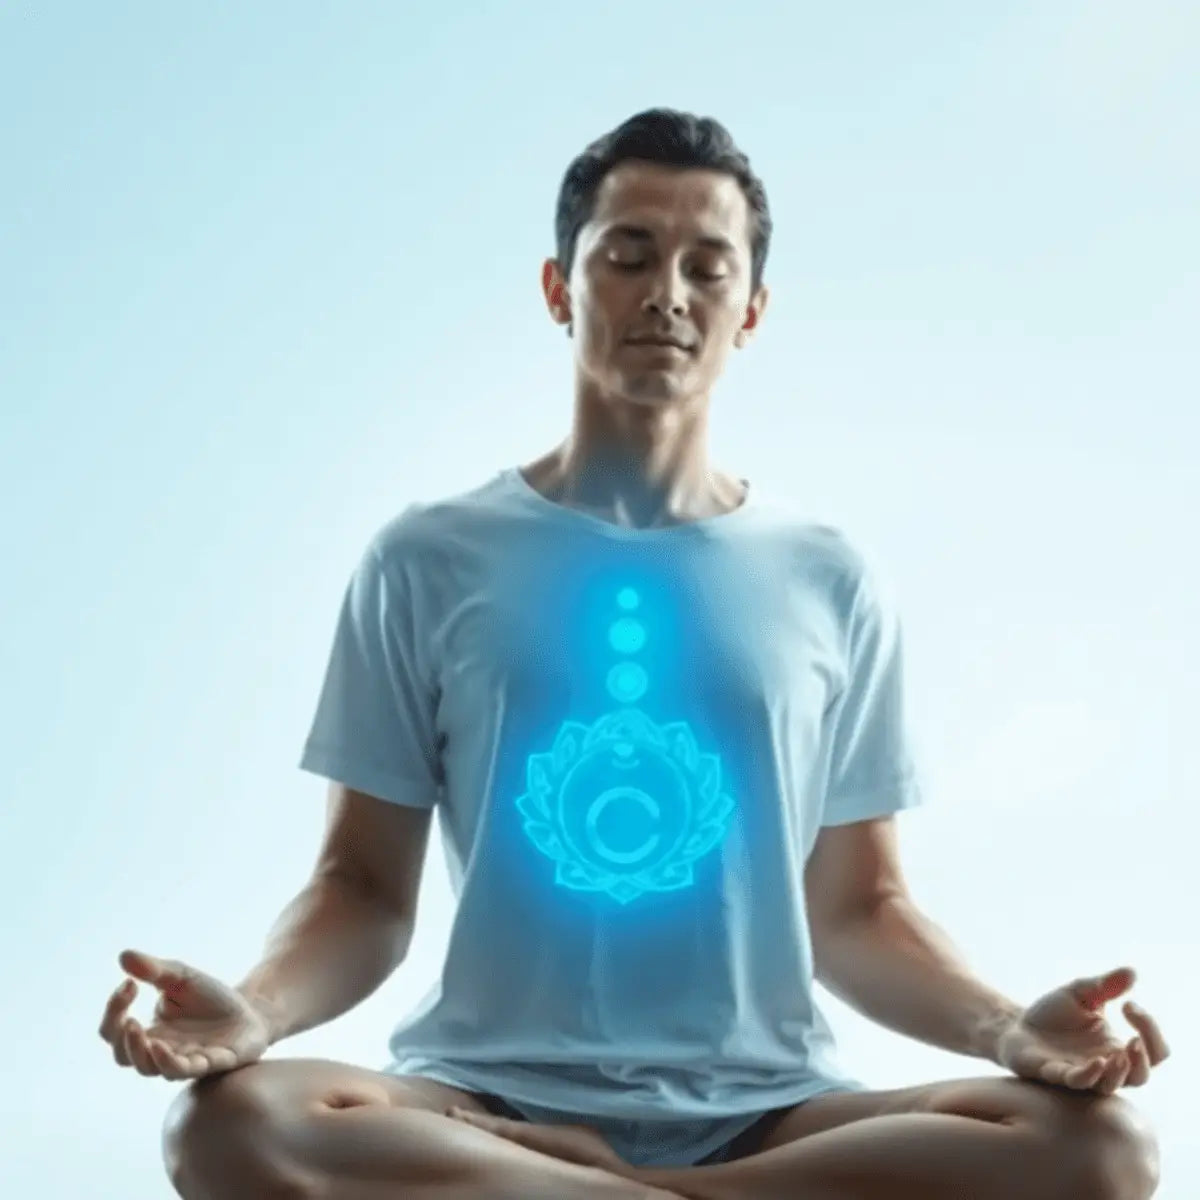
(661, 1142)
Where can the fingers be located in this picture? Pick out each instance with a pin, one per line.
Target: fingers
(1128, 1067)
(133, 1047)
(175, 1064)
(1083, 1077)
(1113, 1076)
(1092, 1074)
(220, 1058)
(136, 1050)
(145, 966)
(124, 1033)
(1095, 991)
(1155, 1044)
(114, 1015)
(152, 1056)
(1052, 1072)
(1139, 1063)
(166, 974)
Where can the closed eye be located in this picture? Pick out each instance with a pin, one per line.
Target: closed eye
(627, 266)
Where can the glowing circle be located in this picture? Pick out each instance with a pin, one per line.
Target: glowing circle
(606, 787)
(592, 822)
(627, 598)
(627, 682)
(653, 780)
(627, 636)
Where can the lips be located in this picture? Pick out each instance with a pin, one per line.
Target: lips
(659, 341)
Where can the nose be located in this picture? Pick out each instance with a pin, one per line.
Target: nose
(665, 295)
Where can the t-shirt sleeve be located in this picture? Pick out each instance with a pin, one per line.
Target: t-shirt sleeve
(374, 728)
(872, 769)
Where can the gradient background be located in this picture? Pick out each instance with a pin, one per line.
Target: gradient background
(269, 271)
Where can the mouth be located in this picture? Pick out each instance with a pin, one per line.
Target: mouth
(660, 344)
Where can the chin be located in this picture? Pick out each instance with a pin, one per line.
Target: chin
(651, 397)
(652, 388)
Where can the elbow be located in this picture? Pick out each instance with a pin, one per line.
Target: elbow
(839, 940)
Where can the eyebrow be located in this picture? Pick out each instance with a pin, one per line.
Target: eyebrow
(639, 233)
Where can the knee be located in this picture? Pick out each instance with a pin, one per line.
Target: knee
(203, 1114)
(216, 1141)
(1115, 1148)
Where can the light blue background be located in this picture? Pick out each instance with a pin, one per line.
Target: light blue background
(269, 271)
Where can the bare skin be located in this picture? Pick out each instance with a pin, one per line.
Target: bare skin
(245, 1129)
(970, 1139)
(637, 454)
(310, 1127)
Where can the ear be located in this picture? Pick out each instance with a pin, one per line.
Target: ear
(754, 315)
(554, 289)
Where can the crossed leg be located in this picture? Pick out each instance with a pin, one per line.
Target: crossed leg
(304, 1129)
(986, 1138)
(969, 1139)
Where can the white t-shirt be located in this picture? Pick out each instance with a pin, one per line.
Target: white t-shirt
(632, 738)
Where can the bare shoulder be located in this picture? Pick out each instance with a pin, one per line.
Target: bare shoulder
(376, 843)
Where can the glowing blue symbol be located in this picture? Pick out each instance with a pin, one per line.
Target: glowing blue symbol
(627, 636)
(624, 806)
(624, 857)
(626, 682)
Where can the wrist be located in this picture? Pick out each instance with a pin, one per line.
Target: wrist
(994, 1026)
(267, 1009)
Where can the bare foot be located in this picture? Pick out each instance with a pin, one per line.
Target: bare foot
(573, 1143)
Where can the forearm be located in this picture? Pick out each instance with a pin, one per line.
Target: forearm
(331, 947)
(901, 970)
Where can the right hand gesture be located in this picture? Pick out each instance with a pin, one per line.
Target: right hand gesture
(201, 1025)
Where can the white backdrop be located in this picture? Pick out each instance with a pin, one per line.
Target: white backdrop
(269, 272)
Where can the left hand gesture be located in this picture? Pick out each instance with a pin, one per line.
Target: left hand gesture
(1063, 1038)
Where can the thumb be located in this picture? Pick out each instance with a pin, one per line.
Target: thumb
(1095, 991)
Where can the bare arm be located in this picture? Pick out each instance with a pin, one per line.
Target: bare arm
(876, 951)
(345, 933)
(899, 968)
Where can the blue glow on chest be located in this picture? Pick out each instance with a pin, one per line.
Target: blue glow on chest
(625, 805)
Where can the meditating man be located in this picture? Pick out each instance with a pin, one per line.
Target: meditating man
(661, 719)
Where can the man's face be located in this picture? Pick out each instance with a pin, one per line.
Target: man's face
(666, 255)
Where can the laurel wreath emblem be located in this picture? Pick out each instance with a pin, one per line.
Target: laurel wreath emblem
(705, 812)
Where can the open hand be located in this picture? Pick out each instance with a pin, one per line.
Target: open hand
(1063, 1038)
(201, 1025)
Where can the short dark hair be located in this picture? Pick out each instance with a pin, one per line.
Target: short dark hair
(670, 137)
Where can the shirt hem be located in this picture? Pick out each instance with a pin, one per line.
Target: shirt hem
(396, 789)
(764, 1099)
(882, 802)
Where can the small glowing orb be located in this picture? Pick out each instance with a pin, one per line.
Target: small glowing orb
(628, 599)
(627, 636)
(627, 682)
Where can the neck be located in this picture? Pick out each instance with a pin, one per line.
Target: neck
(636, 464)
